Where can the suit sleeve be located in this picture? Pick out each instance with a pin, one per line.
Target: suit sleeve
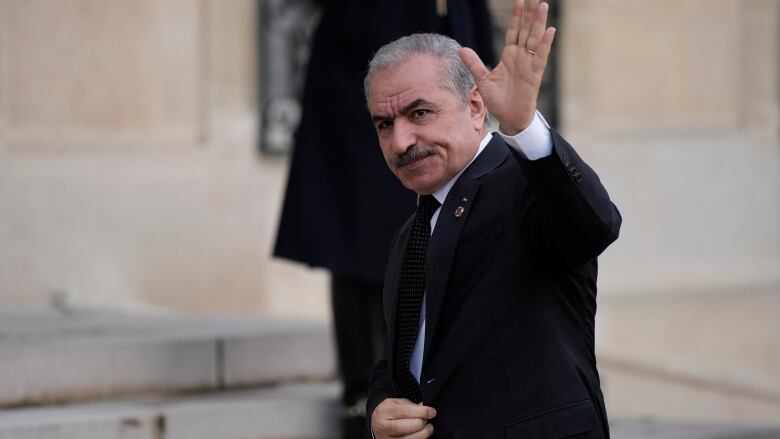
(379, 385)
(379, 388)
(569, 217)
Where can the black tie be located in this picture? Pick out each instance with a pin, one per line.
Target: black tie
(410, 297)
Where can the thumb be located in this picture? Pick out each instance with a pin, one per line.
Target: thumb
(473, 63)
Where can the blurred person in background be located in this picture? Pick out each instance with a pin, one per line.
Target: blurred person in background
(342, 206)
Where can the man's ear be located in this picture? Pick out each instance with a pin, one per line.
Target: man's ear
(477, 108)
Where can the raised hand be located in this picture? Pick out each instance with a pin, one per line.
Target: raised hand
(511, 89)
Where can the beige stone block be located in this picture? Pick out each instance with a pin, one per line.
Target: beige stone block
(726, 337)
(232, 47)
(303, 351)
(289, 411)
(700, 213)
(760, 59)
(100, 72)
(106, 421)
(637, 66)
(187, 231)
(139, 224)
(50, 357)
(298, 411)
(632, 395)
(85, 367)
(706, 357)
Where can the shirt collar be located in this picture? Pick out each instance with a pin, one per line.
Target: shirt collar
(442, 193)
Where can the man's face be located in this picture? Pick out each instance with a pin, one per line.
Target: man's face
(426, 132)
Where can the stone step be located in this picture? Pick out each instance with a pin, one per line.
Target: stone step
(48, 357)
(654, 429)
(293, 411)
(299, 411)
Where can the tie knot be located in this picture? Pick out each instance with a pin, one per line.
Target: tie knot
(426, 206)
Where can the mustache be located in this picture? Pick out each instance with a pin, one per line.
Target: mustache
(415, 152)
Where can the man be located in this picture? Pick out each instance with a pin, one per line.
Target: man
(490, 290)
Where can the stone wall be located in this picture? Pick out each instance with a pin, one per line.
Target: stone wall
(129, 175)
(130, 178)
(676, 104)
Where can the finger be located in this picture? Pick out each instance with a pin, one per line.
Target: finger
(514, 24)
(422, 434)
(543, 52)
(512, 31)
(517, 8)
(538, 28)
(403, 427)
(405, 409)
(527, 22)
(473, 63)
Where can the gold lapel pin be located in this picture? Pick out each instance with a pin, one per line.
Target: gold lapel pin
(459, 211)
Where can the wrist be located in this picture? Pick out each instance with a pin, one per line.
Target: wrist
(513, 128)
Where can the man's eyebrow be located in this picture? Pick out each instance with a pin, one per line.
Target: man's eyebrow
(414, 104)
(410, 106)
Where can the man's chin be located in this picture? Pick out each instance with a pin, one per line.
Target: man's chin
(419, 177)
(420, 186)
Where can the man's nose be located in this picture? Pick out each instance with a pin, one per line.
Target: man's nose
(404, 136)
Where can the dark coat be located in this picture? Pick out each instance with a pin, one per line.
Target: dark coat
(511, 300)
(342, 204)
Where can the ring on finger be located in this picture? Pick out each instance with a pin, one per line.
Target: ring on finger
(530, 51)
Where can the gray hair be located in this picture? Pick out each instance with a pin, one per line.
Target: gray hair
(454, 74)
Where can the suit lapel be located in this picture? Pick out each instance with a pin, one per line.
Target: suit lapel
(453, 216)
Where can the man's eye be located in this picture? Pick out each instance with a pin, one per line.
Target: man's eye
(417, 114)
(383, 124)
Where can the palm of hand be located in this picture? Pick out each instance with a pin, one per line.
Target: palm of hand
(511, 89)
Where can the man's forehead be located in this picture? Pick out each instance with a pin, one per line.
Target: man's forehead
(415, 65)
(394, 92)
(419, 71)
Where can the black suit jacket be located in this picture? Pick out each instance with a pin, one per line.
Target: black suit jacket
(511, 300)
(331, 217)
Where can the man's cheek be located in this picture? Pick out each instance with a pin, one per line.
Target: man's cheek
(390, 162)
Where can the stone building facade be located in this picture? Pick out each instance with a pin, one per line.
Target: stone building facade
(130, 178)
